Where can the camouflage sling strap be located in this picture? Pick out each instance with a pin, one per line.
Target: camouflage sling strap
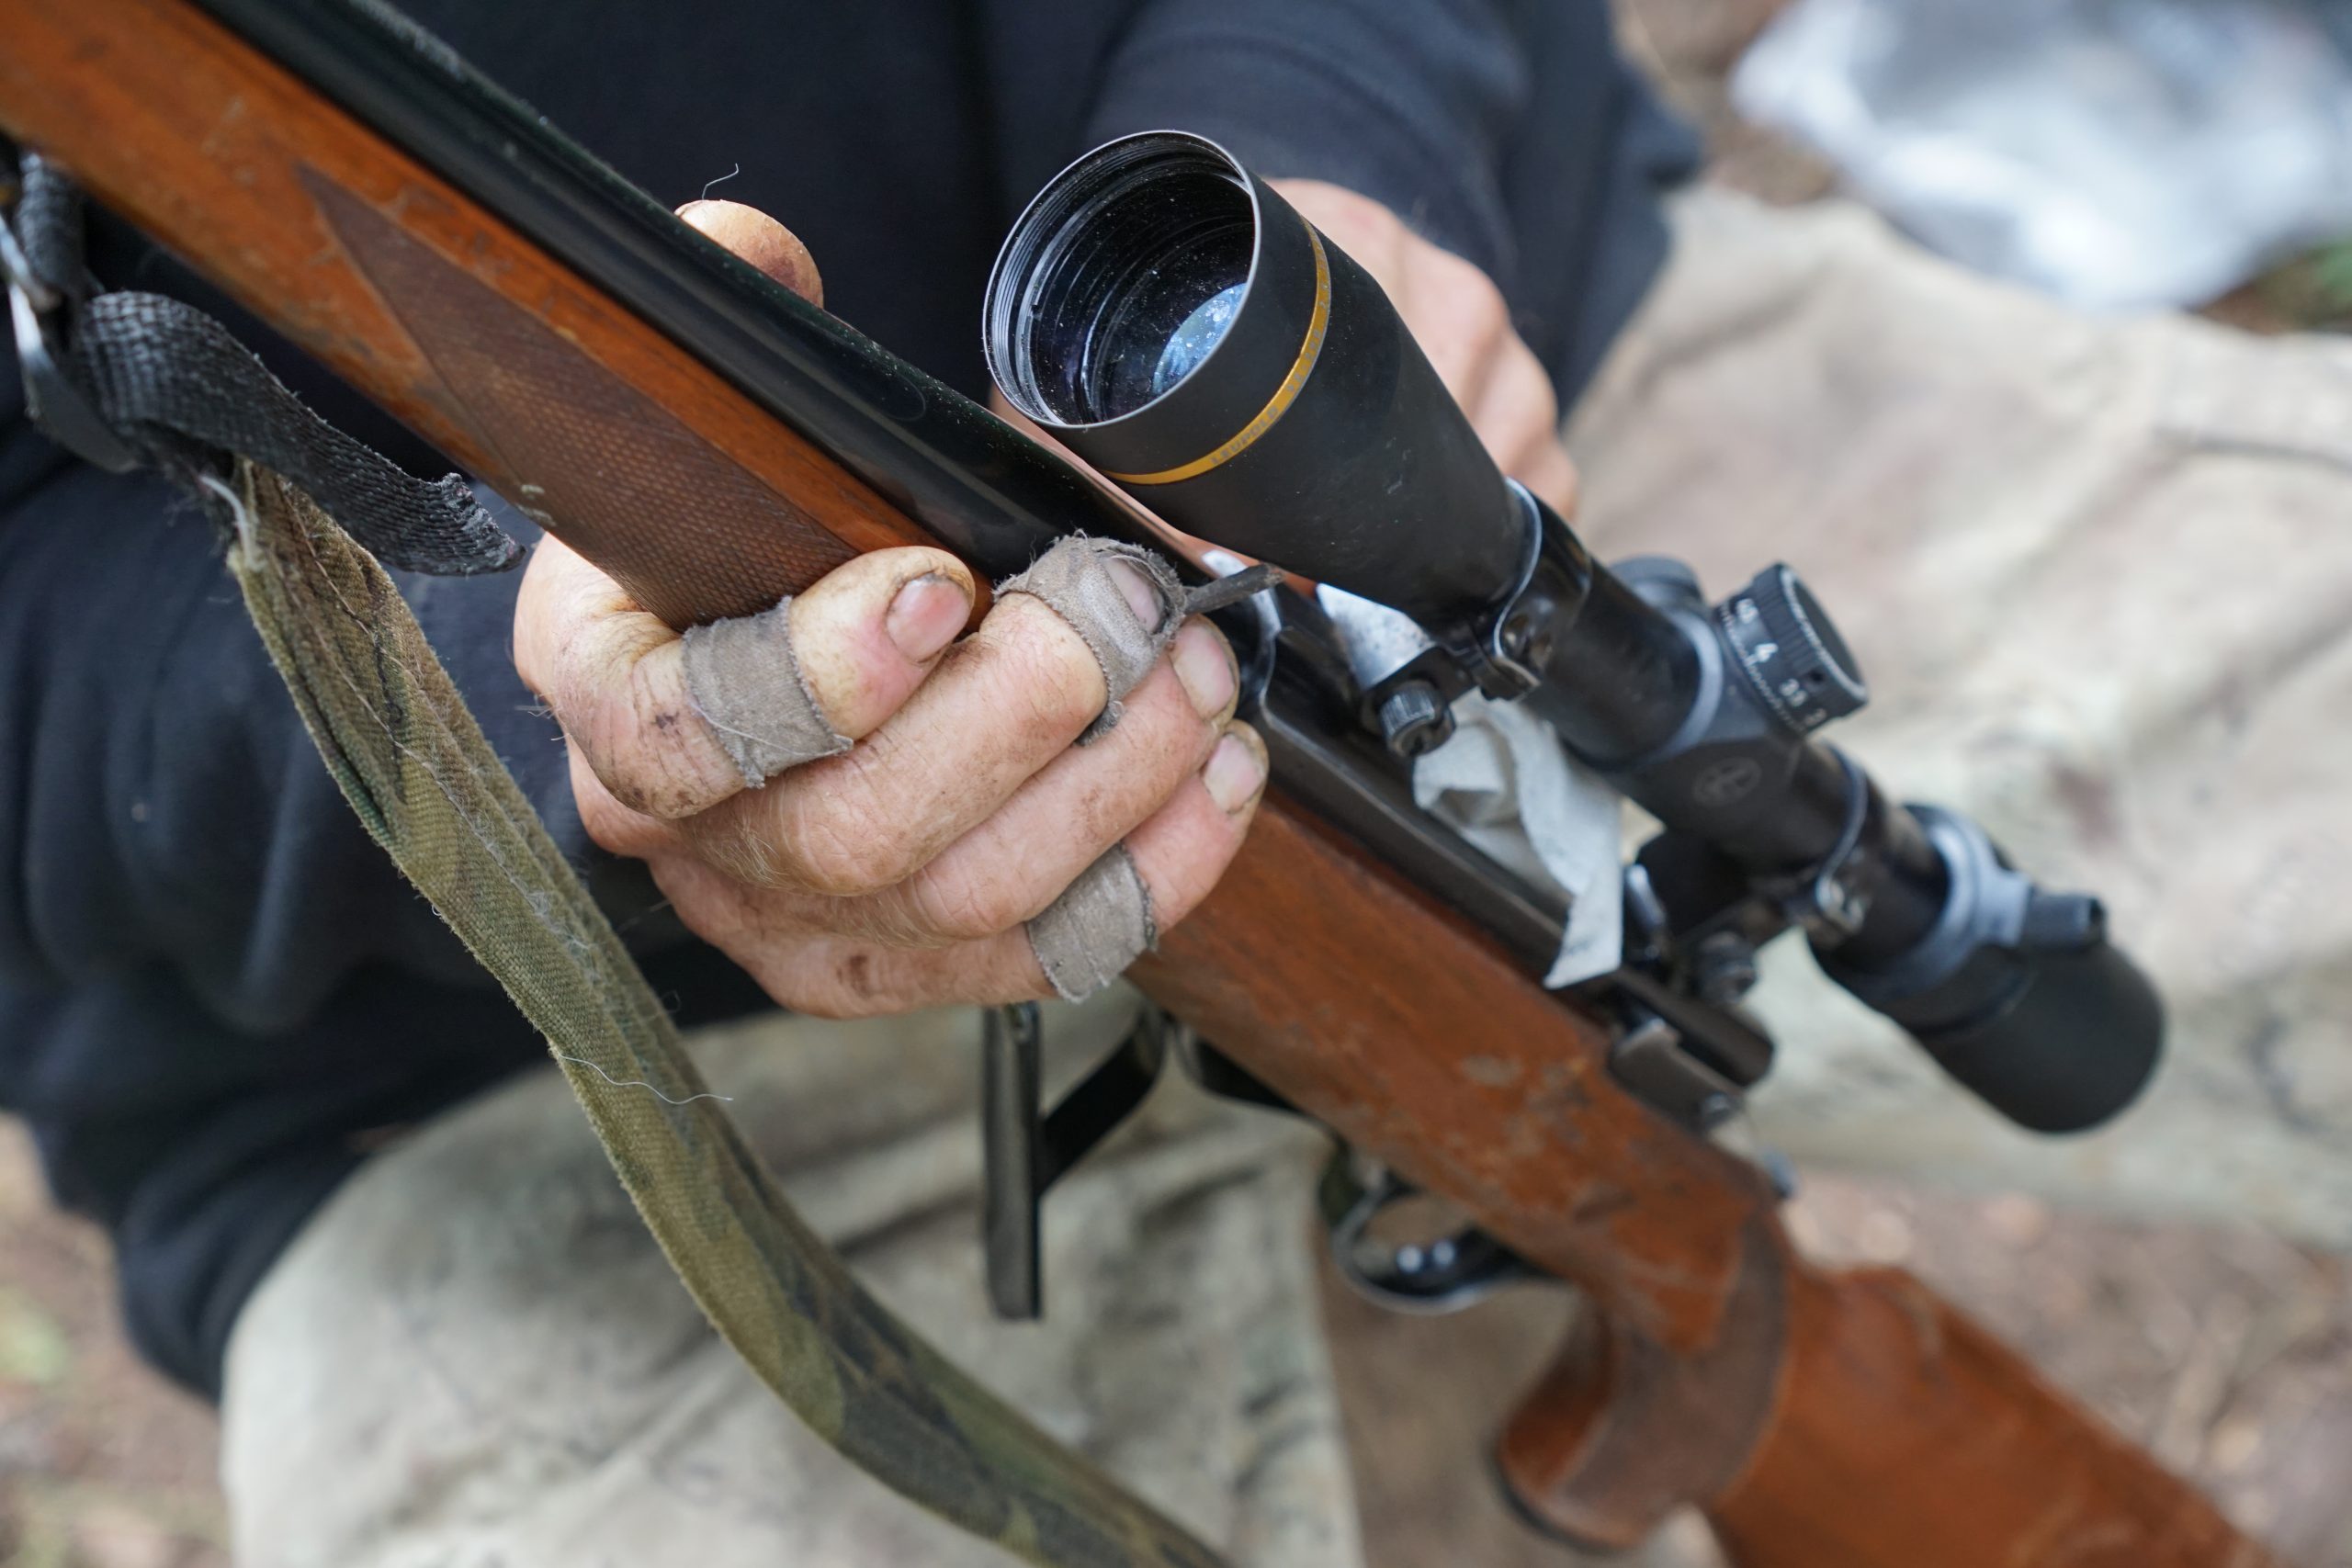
(417, 769)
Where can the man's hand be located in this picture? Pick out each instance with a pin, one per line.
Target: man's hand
(1457, 315)
(899, 873)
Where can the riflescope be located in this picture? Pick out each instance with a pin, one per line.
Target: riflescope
(1173, 321)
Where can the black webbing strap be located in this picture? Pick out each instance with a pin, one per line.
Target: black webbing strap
(176, 387)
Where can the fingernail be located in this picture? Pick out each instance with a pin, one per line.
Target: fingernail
(926, 615)
(1205, 663)
(1236, 770)
(1141, 596)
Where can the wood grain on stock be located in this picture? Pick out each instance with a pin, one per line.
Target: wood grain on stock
(1349, 992)
(1897, 1413)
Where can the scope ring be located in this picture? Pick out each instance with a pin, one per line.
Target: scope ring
(1824, 898)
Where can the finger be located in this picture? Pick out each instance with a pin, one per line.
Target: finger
(1004, 703)
(1181, 852)
(1517, 413)
(1462, 322)
(826, 975)
(1187, 844)
(611, 826)
(1550, 476)
(864, 636)
(612, 674)
(1004, 872)
(762, 240)
(1517, 419)
(867, 632)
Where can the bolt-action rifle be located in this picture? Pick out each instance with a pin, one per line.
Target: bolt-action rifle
(1168, 316)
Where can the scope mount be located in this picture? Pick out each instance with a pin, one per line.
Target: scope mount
(1706, 714)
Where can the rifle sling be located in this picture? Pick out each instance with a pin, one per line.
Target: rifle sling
(176, 389)
(415, 766)
(409, 757)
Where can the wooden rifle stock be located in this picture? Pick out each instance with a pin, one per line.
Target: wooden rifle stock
(1823, 1419)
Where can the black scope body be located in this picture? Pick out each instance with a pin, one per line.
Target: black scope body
(1174, 321)
(1180, 326)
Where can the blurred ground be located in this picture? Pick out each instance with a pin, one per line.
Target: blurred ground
(2229, 1352)
(102, 1464)
(1688, 48)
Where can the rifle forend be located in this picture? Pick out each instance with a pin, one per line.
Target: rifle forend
(1823, 1419)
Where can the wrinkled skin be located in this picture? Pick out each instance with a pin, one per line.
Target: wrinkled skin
(900, 874)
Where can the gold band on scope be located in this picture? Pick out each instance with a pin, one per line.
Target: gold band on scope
(1284, 395)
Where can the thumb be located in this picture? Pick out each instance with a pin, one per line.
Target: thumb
(864, 636)
(760, 240)
(866, 633)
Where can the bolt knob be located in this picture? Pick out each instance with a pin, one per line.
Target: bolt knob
(1791, 654)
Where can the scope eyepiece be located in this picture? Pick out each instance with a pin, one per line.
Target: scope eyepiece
(1173, 320)
(2017, 992)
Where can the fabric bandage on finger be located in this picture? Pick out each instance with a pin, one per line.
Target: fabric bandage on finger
(1101, 924)
(742, 677)
(1102, 921)
(1075, 579)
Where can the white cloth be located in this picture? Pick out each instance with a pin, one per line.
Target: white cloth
(1506, 784)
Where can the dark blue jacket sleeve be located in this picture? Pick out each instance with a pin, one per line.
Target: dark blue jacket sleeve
(1416, 104)
(216, 992)
(1509, 132)
(161, 801)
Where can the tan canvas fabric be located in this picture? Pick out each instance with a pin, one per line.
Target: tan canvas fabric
(477, 1356)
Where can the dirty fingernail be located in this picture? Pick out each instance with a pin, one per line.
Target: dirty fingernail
(926, 615)
(1205, 663)
(1236, 770)
(1140, 595)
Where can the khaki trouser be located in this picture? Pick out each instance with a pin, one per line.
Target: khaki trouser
(476, 1355)
(2100, 575)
